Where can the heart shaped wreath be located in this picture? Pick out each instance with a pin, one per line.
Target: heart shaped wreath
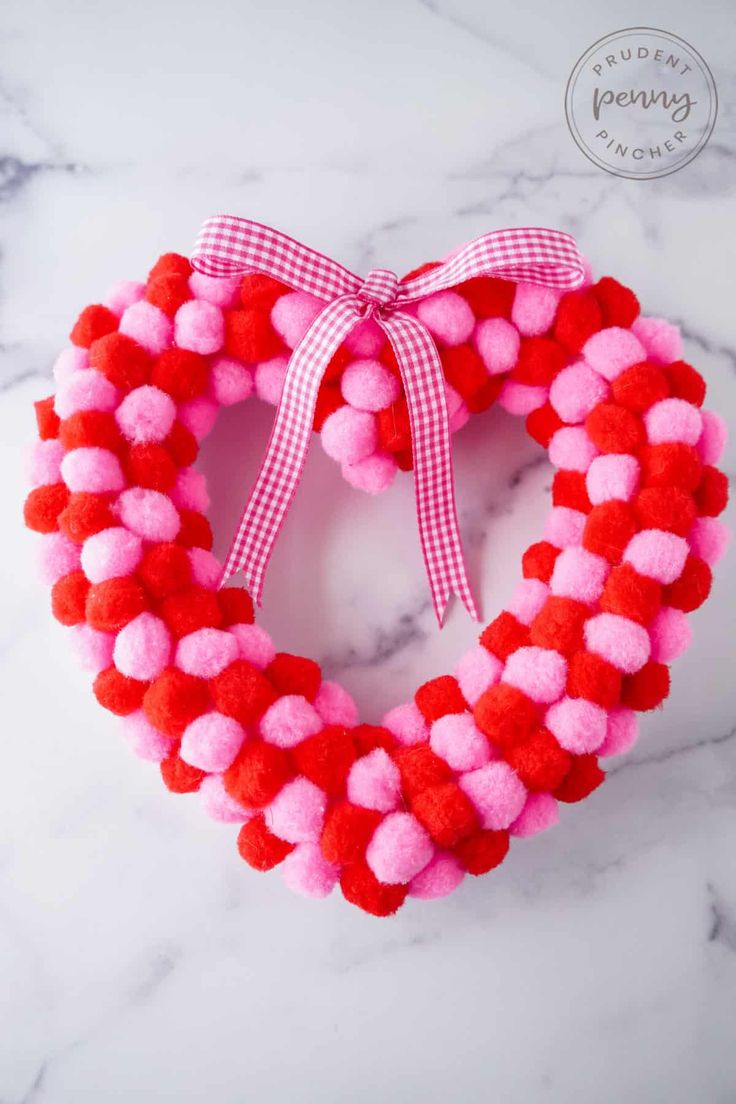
(407, 807)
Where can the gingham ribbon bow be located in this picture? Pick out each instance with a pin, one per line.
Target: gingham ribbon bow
(227, 246)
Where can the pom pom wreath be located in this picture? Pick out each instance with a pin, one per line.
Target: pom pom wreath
(218, 804)
(47, 419)
(504, 635)
(711, 496)
(372, 475)
(540, 812)
(123, 294)
(293, 314)
(612, 428)
(361, 887)
(585, 776)
(446, 813)
(496, 792)
(143, 739)
(91, 428)
(349, 435)
(180, 373)
(290, 720)
(447, 316)
(254, 644)
(374, 782)
(112, 603)
(297, 812)
(347, 832)
(505, 715)
(612, 350)
(335, 706)
(292, 674)
(539, 761)
(87, 390)
(568, 489)
(631, 595)
(673, 420)
(399, 848)
(149, 514)
(521, 398)
(692, 588)
(579, 575)
(575, 391)
(438, 697)
(84, 515)
(117, 693)
(539, 673)
(69, 597)
(243, 692)
(58, 556)
(93, 322)
(307, 872)
(260, 848)
(206, 652)
(146, 414)
(559, 625)
(564, 527)
(660, 338)
(257, 774)
(142, 647)
(148, 325)
(167, 293)
(647, 688)
(671, 465)
(260, 291)
(440, 877)
(534, 309)
(539, 362)
(44, 507)
(498, 343)
(250, 337)
(612, 477)
(269, 379)
(173, 700)
(657, 554)
(45, 462)
(621, 733)
(619, 306)
(164, 569)
(621, 642)
(407, 724)
(483, 851)
(230, 381)
(527, 600)
(640, 387)
(578, 725)
(589, 676)
(571, 448)
(708, 539)
(236, 605)
(211, 742)
(456, 739)
(579, 316)
(368, 385)
(92, 470)
(326, 758)
(608, 530)
(199, 327)
(670, 634)
(712, 438)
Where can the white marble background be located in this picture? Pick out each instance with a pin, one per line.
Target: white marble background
(140, 959)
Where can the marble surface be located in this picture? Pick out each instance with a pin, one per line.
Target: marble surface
(140, 959)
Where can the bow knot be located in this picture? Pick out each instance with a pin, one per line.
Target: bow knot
(379, 288)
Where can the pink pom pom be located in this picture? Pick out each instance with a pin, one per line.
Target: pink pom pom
(621, 733)
(527, 600)
(44, 464)
(269, 379)
(349, 435)
(366, 340)
(111, 554)
(87, 390)
(142, 647)
(712, 438)
(206, 652)
(206, 568)
(447, 316)
(218, 804)
(70, 360)
(335, 706)
(147, 325)
(540, 812)
(211, 742)
(612, 351)
(618, 640)
(497, 342)
(670, 634)
(305, 870)
(254, 644)
(673, 420)
(146, 415)
(123, 295)
(579, 574)
(457, 411)
(190, 490)
(497, 793)
(368, 385)
(440, 877)
(200, 327)
(57, 556)
(149, 514)
(576, 390)
(571, 449)
(374, 782)
(293, 314)
(290, 720)
(579, 725)
(297, 812)
(476, 671)
(95, 470)
(521, 399)
(221, 291)
(399, 849)
(658, 554)
(199, 416)
(660, 338)
(612, 476)
(539, 673)
(372, 475)
(456, 739)
(143, 739)
(534, 309)
(564, 527)
(709, 540)
(230, 381)
(93, 648)
(407, 724)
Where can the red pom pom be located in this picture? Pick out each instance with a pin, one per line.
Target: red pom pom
(258, 773)
(182, 445)
(168, 293)
(578, 317)
(639, 387)
(329, 399)
(195, 530)
(488, 296)
(685, 382)
(609, 528)
(125, 363)
(539, 761)
(394, 429)
(446, 813)
(84, 515)
(619, 305)
(326, 758)
(543, 423)
(179, 777)
(192, 608)
(465, 371)
(181, 373)
(367, 738)
(674, 464)
(559, 625)
(114, 602)
(250, 336)
(420, 769)
(260, 292)
(692, 588)
(540, 360)
(164, 569)
(360, 887)
(667, 508)
(505, 715)
(170, 264)
(504, 635)
(260, 848)
(342, 357)
(119, 694)
(91, 429)
(590, 677)
(584, 776)
(236, 605)
(174, 699)
(631, 595)
(94, 322)
(711, 497)
(569, 489)
(243, 692)
(150, 466)
(292, 674)
(482, 851)
(647, 688)
(539, 560)
(68, 598)
(440, 696)
(47, 419)
(44, 505)
(347, 832)
(613, 428)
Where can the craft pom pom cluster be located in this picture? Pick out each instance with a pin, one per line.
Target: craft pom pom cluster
(435, 792)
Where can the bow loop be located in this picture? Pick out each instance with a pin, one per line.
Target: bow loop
(379, 288)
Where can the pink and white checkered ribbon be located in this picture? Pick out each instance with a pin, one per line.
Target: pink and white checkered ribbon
(227, 246)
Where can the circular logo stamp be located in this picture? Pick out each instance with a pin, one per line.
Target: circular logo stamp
(641, 103)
